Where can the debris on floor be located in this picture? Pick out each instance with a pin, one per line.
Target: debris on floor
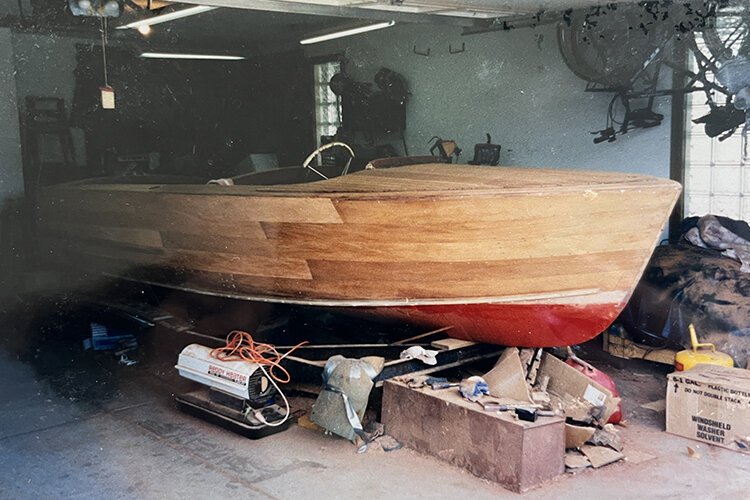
(599, 456)
(529, 383)
(660, 405)
(508, 378)
(473, 388)
(590, 403)
(341, 405)
(582, 399)
(577, 435)
(576, 461)
(426, 356)
(105, 338)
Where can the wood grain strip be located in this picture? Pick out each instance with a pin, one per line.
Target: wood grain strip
(560, 209)
(130, 236)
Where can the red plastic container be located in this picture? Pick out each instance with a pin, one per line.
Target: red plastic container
(603, 379)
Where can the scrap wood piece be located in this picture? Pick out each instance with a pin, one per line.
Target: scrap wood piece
(574, 409)
(571, 385)
(577, 435)
(450, 344)
(531, 359)
(659, 405)
(625, 348)
(692, 453)
(599, 456)
(508, 377)
(575, 461)
(607, 436)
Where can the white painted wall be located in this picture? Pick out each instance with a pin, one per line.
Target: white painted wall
(512, 84)
(11, 167)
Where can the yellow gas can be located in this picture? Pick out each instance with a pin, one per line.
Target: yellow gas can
(687, 359)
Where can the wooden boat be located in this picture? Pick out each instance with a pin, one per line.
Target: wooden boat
(511, 256)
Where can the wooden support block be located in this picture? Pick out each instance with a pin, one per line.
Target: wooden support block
(627, 349)
(495, 446)
(450, 344)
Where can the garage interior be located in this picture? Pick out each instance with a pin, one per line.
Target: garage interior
(382, 248)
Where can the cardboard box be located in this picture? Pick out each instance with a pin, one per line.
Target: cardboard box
(710, 404)
(576, 391)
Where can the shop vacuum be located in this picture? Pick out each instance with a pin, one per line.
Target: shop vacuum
(237, 395)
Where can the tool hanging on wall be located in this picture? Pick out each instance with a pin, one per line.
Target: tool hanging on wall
(487, 153)
(108, 93)
(447, 149)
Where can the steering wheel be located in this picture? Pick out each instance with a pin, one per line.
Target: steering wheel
(314, 154)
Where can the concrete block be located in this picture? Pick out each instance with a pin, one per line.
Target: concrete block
(495, 446)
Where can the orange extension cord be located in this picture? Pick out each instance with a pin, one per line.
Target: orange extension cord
(242, 347)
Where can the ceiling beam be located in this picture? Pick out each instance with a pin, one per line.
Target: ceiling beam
(314, 9)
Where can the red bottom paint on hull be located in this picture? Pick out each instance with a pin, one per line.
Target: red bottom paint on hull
(522, 325)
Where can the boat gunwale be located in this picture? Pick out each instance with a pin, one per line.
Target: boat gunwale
(257, 191)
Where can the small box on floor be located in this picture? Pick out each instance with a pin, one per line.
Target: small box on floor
(711, 404)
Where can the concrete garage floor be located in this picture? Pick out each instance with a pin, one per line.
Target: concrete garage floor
(78, 425)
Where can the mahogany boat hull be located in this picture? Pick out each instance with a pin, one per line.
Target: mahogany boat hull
(526, 257)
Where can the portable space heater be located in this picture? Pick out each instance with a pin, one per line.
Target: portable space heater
(238, 395)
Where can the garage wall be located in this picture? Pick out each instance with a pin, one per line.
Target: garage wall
(512, 84)
(11, 168)
(44, 67)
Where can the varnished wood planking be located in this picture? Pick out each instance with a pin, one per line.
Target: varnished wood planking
(247, 246)
(511, 276)
(467, 243)
(558, 209)
(124, 257)
(199, 223)
(379, 280)
(478, 241)
(215, 207)
(480, 250)
(441, 177)
(139, 237)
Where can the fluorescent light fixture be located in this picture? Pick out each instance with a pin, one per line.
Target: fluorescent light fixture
(213, 57)
(347, 32)
(169, 16)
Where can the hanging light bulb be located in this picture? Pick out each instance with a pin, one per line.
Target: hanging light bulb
(96, 8)
(111, 8)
